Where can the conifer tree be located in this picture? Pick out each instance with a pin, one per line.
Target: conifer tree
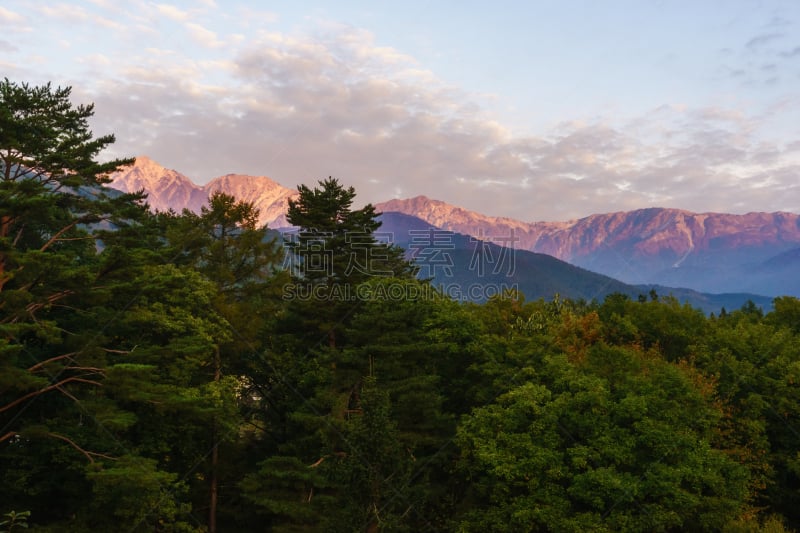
(73, 276)
(334, 250)
(51, 204)
(227, 246)
(49, 175)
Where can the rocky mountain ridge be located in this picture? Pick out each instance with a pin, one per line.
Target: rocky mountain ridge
(642, 232)
(169, 189)
(710, 252)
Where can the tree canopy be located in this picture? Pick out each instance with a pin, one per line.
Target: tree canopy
(170, 372)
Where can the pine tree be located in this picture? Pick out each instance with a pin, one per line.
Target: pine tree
(334, 251)
(78, 265)
(226, 245)
(49, 175)
(51, 204)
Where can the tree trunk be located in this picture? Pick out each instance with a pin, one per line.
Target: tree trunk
(332, 338)
(5, 227)
(212, 499)
(214, 481)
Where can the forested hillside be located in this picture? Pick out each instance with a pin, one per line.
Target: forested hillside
(181, 372)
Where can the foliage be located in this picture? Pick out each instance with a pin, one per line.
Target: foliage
(166, 372)
(15, 519)
(619, 442)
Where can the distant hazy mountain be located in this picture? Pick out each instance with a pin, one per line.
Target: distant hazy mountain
(707, 252)
(780, 274)
(462, 263)
(710, 252)
(469, 269)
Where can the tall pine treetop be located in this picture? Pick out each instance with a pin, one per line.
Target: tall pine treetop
(44, 136)
(328, 208)
(47, 155)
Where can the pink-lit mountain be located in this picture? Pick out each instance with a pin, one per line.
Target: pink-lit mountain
(169, 189)
(711, 252)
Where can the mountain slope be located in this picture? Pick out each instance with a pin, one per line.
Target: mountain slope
(270, 198)
(711, 252)
(468, 269)
(169, 189)
(166, 188)
(644, 232)
(707, 252)
(780, 273)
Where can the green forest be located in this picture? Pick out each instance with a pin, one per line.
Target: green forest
(157, 374)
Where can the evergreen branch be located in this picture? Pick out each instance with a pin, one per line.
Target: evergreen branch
(40, 364)
(33, 394)
(60, 232)
(122, 352)
(69, 395)
(19, 234)
(33, 307)
(319, 461)
(89, 455)
(89, 238)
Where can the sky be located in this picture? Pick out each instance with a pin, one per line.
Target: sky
(543, 110)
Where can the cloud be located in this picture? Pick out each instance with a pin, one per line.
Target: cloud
(76, 15)
(9, 17)
(98, 61)
(203, 36)
(300, 109)
(172, 12)
(7, 47)
(794, 52)
(760, 40)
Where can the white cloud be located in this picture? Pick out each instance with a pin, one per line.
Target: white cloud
(96, 60)
(299, 108)
(172, 12)
(203, 36)
(9, 17)
(7, 47)
(160, 52)
(76, 15)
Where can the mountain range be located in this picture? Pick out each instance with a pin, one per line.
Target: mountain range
(169, 189)
(471, 269)
(709, 252)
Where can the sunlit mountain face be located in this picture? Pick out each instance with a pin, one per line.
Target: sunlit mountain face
(708, 252)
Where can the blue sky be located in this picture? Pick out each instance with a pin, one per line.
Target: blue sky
(541, 110)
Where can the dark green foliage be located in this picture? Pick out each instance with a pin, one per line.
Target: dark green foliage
(337, 244)
(49, 180)
(162, 373)
(14, 520)
(602, 446)
(334, 250)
